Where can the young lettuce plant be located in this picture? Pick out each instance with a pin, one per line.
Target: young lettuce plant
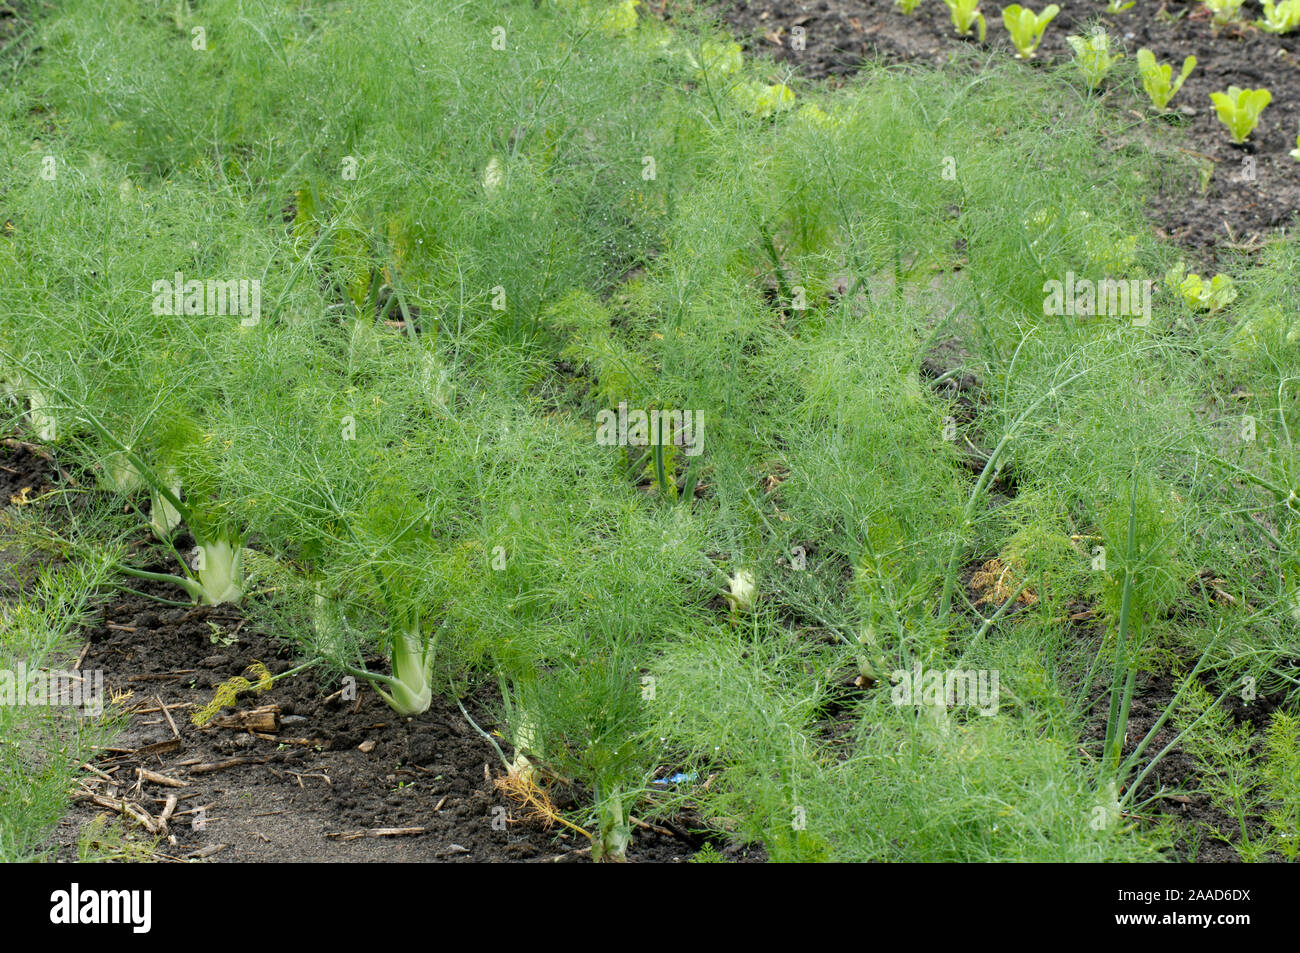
(1281, 17)
(763, 101)
(1199, 294)
(907, 6)
(1026, 27)
(966, 14)
(1295, 153)
(1119, 6)
(1240, 109)
(1224, 11)
(1156, 77)
(1093, 56)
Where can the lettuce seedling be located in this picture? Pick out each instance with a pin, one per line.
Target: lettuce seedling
(965, 14)
(620, 19)
(1026, 27)
(1201, 295)
(907, 6)
(1092, 54)
(814, 115)
(1156, 77)
(1239, 110)
(717, 59)
(1295, 153)
(763, 101)
(1281, 17)
(1224, 10)
(1118, 6)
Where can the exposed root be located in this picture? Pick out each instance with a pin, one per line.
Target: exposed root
(521, 788)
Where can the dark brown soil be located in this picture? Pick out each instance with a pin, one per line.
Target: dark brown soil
(840, 34)
(25, 472)
(334, 767)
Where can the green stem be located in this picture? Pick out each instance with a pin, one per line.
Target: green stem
(1122, 670)
(490, 740)
(191, 586)
(692, 477)
(1132, 789)
(657, 448)
(783, 286)
(1131, 761)
(993, 619)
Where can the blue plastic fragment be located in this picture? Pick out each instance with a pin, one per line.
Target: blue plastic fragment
(678, 778)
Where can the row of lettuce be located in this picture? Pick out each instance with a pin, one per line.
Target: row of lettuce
(344, 352)
(1095, 56)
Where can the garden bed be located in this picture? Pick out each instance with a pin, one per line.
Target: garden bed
(1232, 214)
(315, 779)
(375, 567)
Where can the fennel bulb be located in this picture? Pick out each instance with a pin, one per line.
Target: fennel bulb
(163, 516)
(615, 830)
(742, 586)
(47, 427)
(120, 474)
(524, 739)
(436, 381)
(220, 569)
(410, 688)
(493, 175)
